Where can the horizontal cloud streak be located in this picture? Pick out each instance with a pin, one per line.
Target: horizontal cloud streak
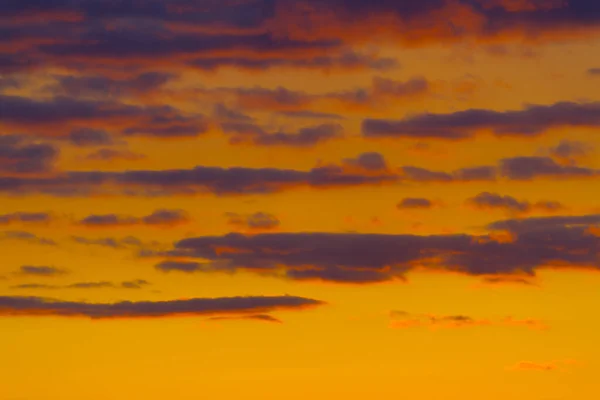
(36, 306)
(370, 258)
(533, 120)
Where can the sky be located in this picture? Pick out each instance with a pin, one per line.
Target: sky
(291, 199)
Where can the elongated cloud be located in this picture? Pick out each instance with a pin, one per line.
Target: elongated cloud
(162, 217)
(25, 217)
(306, 137)
(62, 112)
(18, 156)
(532, 120)
(135, 284)
(36, 306)
(256, 221)
(198, 180)
(402, 319)
(367, 169)
(414, 203)
(41, 270)
(261, 33)
(371, 258)
(490, 201)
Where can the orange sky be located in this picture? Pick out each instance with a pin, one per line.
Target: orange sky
(294, 199)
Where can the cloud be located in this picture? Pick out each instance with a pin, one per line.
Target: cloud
(551, 223)
(135, 284)
(310, 114)
(533, 244)
(414, 203)
(381, 93)
(165, 216)
(62, 112)
(37, 307)
(25, 217)
(256, 221)
(508, 280)
(593, 71)
(418, 174)
(254, 317)
(531, 121)
(305, 137)
(108, 220)
(18, 156)
(179, 266)
(490, 201)
(364, 170)
(82, 86)
(113, 154)
(161, 217)
(127, 242)
(259, 34)
(46, 271)
(344, 61)
(527, 168)
(402, 319)
(26, 237)
(437, 21)
(198, 180)
(370, 161)
(83, 137)
(567, 152)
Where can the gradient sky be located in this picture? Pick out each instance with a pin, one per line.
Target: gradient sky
(292, 199)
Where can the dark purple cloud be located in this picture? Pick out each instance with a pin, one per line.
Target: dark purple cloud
(135, 284)
(108, 220)
(90, 137)
(215, 180)
(221, 111)
(166, 217)
(343, 61)
(569, 150)
(179, 266)
(541, 224)
(151, 121)
(41, 270)
(256, 221)
(414, 203)
(89, 34)
(370, 161)
(527, 168)
(369, 258)
(310, 114)
(482, 173)
(97, 86)
(26, 237)
(244, 132)
(36, 306)
(128, 242)
(530, 121)
(487, 200)
(253, 317)
(158, 217)
(19, 156)
(114, 154)
(594, 71)
(305, 137)
(25, 217)
(425, 175)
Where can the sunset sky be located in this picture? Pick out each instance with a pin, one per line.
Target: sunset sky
(299, 199)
